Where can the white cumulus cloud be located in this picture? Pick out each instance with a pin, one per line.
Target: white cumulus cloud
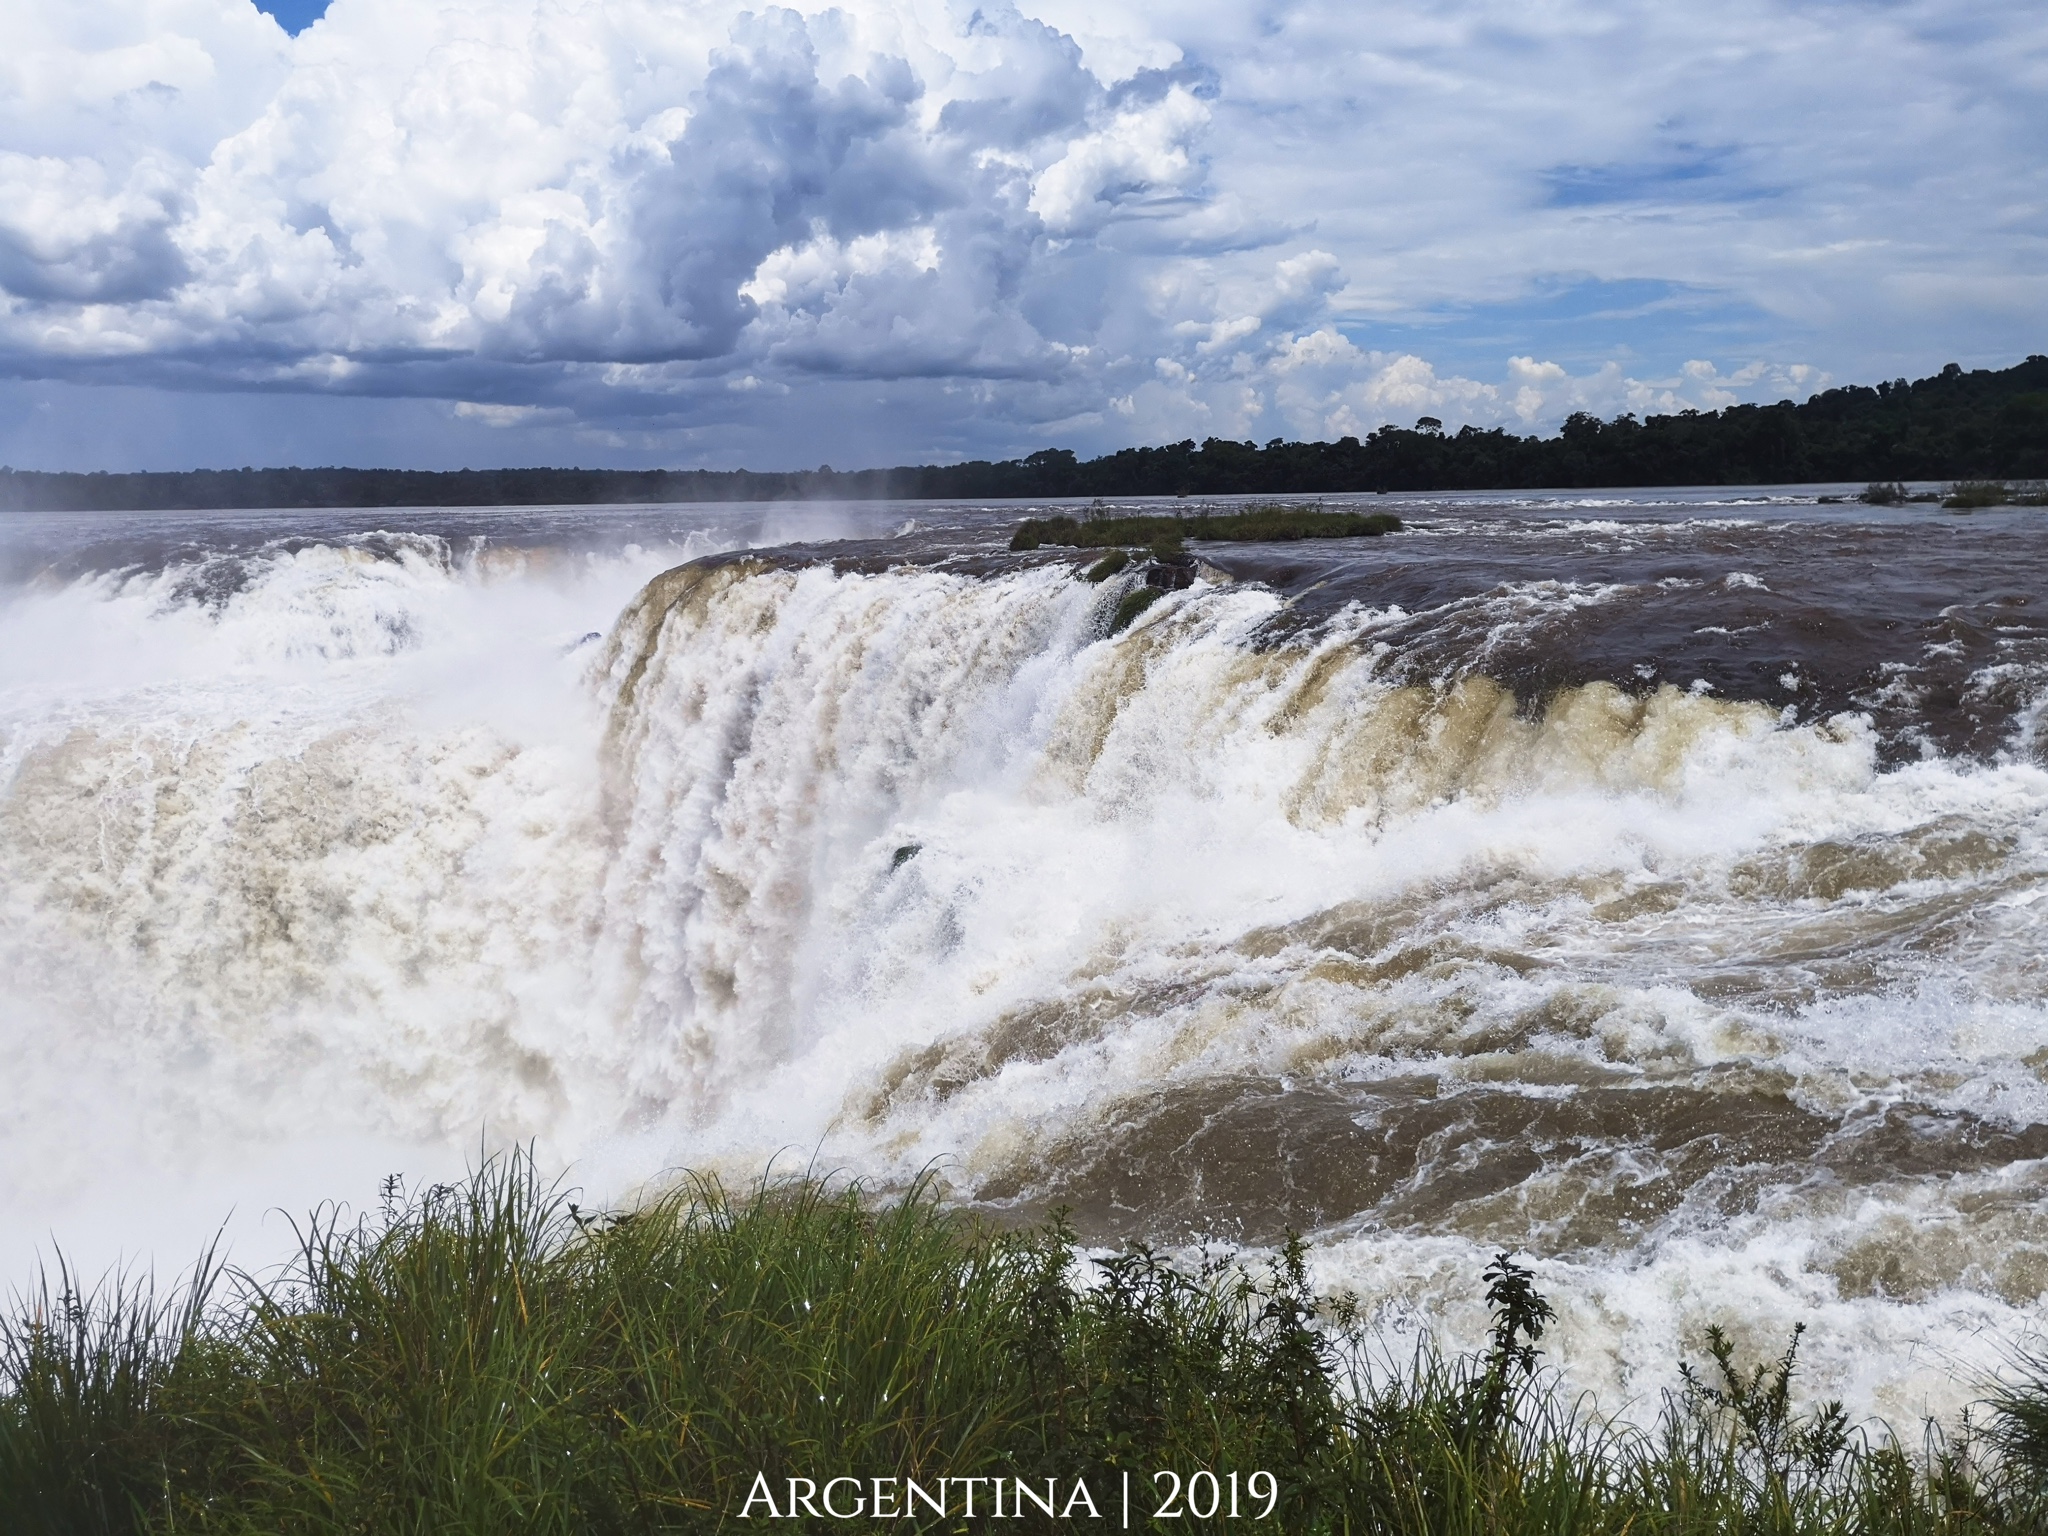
(931, 227)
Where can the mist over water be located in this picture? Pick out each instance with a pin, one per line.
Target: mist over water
(1648, 882)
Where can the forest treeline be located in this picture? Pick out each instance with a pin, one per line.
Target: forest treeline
(1955, 425)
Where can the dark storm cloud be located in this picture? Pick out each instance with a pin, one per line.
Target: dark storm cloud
(693, 224)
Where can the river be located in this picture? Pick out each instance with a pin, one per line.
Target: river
(1648, 882)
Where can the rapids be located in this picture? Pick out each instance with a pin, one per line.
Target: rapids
(1651, 883)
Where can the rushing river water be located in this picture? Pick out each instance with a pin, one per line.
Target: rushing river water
(1650, 882)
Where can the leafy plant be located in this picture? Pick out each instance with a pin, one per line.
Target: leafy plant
(1758, 1407)
(1519, 1315)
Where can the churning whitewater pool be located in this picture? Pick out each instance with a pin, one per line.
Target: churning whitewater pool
(1652, 882)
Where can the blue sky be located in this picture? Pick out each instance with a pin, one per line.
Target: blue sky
(446, 232)
(294, 15)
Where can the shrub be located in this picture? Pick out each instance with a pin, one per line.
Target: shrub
(1996, 493)
(1977, 493)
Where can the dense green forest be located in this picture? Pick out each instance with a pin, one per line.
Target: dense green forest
(1955, 425)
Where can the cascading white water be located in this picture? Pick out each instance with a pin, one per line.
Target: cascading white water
(298, 850)
(327, 860)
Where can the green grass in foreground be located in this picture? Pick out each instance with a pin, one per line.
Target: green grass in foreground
(486, 1358)
(1254, 524)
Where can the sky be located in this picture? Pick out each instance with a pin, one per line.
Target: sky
(438, 233)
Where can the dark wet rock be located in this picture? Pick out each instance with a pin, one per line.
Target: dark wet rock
(1171, 573)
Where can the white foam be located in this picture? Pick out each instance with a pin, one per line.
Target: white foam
(287, 871)
(364, 863)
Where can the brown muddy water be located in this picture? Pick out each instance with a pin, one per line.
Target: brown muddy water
(1650, 882)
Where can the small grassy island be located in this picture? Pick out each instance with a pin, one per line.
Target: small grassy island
(489, 1358)
(1251, 525)
(1966, 496)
